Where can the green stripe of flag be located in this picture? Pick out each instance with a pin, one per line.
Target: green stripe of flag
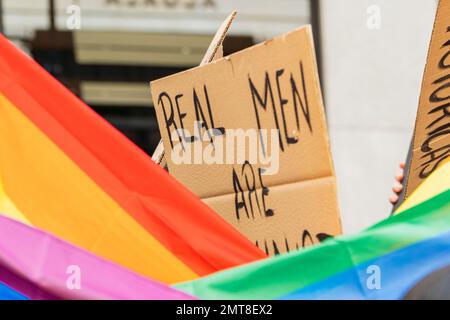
(278, 276)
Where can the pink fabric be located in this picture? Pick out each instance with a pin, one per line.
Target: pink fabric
(41, 266)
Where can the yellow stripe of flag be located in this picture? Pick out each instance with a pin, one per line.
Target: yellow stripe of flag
(43, 185)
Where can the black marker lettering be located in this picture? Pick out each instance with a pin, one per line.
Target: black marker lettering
(169, 120)
(239, 200)
(263, 103)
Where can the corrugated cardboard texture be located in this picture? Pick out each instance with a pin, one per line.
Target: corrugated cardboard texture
(304, 214)
(431, 143)
(301, 197)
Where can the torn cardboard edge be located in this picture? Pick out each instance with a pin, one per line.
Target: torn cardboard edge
(214, 52)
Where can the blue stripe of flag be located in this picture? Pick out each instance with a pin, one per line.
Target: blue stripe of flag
(399, 272)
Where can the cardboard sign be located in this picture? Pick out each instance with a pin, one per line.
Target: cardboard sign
(214, 52)
(431, 141)
(247, 133)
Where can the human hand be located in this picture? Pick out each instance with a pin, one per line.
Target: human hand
(398, 185)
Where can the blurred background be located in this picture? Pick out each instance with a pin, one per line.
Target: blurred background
(371, 56)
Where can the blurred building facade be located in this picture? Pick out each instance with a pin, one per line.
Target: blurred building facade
(371, 55)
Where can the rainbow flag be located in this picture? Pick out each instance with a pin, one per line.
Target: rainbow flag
(436, 183)
(36, 265)
(6, 293)
(399, 251)
(66, 171)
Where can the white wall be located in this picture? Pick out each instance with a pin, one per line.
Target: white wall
(372, 82)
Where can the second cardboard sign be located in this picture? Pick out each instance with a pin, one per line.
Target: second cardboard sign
(247, 133)
(431, 141)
